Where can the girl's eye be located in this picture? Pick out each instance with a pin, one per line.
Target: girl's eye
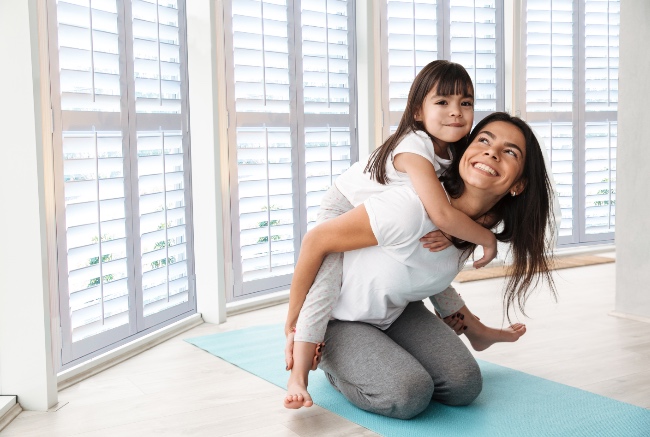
(467, 104)
(441, 102)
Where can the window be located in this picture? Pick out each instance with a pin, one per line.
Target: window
(416, 32)
(570, 97)
(122, 169)
(292, 117)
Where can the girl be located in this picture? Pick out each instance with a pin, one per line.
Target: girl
(438, 117)
(413, 357)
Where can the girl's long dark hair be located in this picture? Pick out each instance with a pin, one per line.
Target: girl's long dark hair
(524, 219)
(448, 78)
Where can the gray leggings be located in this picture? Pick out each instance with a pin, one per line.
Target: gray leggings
(399, 371)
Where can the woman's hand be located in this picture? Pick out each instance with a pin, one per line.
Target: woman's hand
(456, 322)
(435, 241)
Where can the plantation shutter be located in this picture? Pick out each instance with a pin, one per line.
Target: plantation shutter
(571, 60)
(416, 32)
(291, 128)
(100, 171)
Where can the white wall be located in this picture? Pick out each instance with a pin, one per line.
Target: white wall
(25, 341)
(209, 176)
(633, 162)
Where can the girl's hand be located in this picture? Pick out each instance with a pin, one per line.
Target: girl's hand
(435, 241)
(288, 349)
(489, 253)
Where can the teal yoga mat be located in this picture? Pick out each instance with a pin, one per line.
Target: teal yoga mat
(512, 403)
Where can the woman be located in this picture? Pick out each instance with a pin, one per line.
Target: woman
(388, 355)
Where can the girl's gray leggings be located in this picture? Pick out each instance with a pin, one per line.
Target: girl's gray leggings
(399, 371)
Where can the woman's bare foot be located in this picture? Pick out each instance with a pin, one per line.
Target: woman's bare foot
(297, 395)
(482, 337)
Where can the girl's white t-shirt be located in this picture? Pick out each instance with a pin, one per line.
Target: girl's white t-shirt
(357, 186)
(380, 281)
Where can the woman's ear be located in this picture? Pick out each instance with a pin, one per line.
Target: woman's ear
(518, 187)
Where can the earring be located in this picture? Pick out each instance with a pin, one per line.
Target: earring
(513, 194)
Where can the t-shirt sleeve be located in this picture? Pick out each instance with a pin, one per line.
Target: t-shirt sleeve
(396, 216)
(419, 144)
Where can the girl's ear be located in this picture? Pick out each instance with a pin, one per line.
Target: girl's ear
(418, 115)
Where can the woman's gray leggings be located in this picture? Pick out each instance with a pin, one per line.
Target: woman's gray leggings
(399, 371)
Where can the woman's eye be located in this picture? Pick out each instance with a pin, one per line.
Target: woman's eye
(484, 141)
(512, 152)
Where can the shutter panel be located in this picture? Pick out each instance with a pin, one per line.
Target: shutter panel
(600, 177)
(96, 232)
(601, 54)
(558, 138)
(413, 41)
(473, 43)
(89, 55)
(549, 56)
(266, 202)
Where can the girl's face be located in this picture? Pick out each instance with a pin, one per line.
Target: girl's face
(447, 118)
(494, 161)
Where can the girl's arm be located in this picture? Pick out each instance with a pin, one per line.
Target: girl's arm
(442, 214)
(346, 232)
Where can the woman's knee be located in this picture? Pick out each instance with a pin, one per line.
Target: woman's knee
(464, 385)
(409, 397)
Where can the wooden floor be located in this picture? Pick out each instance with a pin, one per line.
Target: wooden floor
(177, 389)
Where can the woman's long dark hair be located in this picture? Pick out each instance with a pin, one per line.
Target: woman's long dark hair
(448, 78)
(524, 218)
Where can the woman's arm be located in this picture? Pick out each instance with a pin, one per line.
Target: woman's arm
(346, 232)
(447, 218)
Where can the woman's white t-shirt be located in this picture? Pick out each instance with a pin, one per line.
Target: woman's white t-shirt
(380, 281)
(357, 186)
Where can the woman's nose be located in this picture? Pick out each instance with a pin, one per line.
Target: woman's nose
(490, 153)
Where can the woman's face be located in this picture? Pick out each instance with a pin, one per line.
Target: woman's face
(494, 161)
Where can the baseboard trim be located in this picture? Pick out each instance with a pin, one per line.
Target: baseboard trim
(257, 303)
(629, 316)
(102, 362)
(10, 415)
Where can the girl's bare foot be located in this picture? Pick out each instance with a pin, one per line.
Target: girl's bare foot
(297, 396)
(482, 337)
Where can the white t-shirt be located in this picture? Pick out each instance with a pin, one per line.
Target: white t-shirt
(379, 281)
(357, 186)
